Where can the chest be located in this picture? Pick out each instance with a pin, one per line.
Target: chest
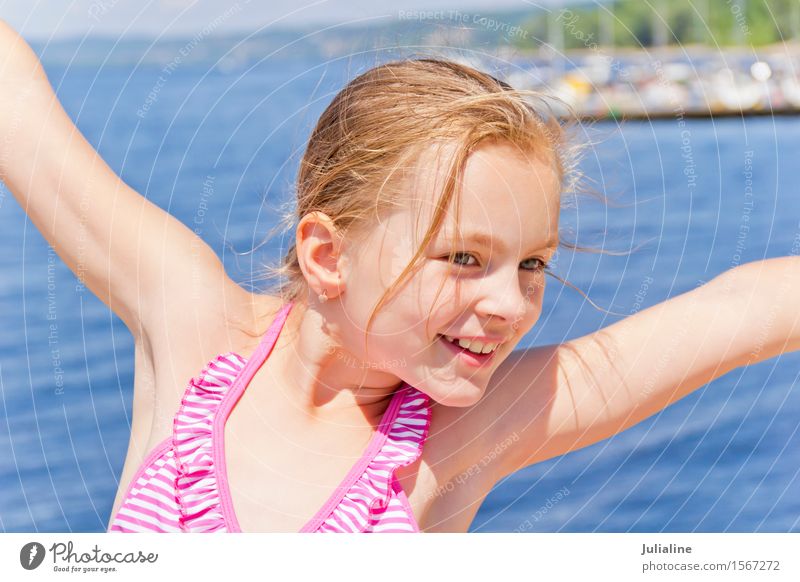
(278, 477)
(278, 481)
(278, 484)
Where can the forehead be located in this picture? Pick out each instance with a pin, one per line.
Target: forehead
(507, 193)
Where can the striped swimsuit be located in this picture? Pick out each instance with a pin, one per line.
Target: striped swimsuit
(182, 485)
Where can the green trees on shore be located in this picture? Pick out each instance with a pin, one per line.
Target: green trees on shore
(633, 23)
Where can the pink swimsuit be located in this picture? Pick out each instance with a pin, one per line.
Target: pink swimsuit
(182, 484)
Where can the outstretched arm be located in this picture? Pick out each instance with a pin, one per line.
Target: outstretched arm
(135, 257)
(560, 398)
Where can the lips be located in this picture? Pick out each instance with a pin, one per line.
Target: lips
(466, 356)
(476, 345)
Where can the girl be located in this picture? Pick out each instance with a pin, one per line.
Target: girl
(376, 388)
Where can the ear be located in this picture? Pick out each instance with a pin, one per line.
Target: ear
(319, 245)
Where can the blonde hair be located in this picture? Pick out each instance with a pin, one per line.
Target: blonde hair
(382, 121)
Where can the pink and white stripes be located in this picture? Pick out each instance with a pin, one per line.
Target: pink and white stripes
(375, 502)
(192, 438)
(181, 486)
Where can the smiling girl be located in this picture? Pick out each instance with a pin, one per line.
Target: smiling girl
(360, 390)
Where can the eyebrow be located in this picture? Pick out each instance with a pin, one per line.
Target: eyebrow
(486, 240)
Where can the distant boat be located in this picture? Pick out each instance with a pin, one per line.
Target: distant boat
(733, 93)
(790, 87)
(573, 89)
(524, 79)
(661, 96)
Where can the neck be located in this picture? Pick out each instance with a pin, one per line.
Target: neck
(313, 376)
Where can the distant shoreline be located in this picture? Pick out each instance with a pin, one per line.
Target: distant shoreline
(667, 115)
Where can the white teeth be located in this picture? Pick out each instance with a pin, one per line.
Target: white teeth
(473, 346)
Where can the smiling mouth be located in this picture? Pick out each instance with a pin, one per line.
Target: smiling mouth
(465, 354)
(481, 347)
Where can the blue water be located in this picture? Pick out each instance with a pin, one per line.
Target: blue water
(725, 458)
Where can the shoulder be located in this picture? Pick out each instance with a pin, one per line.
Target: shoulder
(192, 335)
(250, 318)
(214, 314)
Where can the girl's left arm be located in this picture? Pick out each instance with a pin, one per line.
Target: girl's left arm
(546, 401)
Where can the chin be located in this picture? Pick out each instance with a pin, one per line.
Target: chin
(459, 398)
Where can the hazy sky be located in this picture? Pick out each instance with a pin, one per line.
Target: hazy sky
(42, 19)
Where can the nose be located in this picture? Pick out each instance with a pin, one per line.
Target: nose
(503, 295)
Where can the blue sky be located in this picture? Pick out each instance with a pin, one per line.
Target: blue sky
(43, 19)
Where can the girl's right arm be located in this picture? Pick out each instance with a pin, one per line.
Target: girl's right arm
(138, 259)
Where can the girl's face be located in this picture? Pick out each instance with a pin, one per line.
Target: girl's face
(489, 288)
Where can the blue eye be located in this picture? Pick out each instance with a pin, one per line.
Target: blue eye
(462, 255)
(542, 264)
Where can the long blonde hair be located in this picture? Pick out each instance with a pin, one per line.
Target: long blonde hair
(382, 121)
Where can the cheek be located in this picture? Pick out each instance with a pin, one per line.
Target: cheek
(537, 299)
(394, 264)
(395, 255)
(534, 290)
(531, 308)
(422, 289)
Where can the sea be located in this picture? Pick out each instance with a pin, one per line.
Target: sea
(218, 147)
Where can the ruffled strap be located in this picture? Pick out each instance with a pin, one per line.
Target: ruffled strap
(192, 440)
(362, 504)
(403, 446)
